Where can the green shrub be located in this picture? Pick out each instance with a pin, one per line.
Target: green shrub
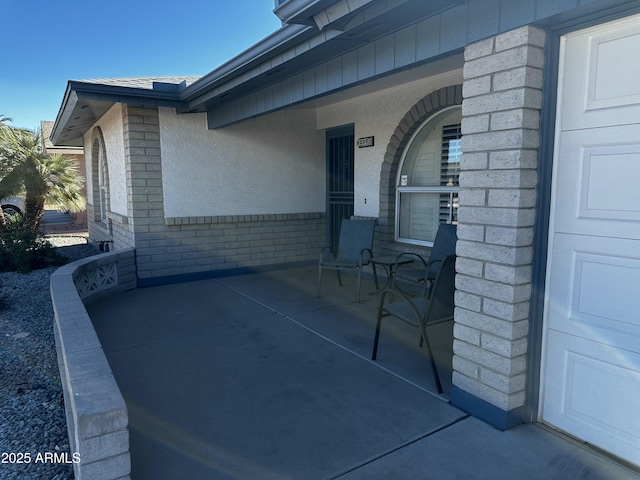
(22, 250)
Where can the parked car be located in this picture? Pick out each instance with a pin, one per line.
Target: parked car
(13, 205)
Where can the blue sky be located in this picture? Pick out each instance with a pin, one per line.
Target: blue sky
(48, 42)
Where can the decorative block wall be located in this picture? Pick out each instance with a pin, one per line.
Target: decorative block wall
(97, 416)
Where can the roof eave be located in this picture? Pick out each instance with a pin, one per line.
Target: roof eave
(301, 11)
(69, 101)
(283, 55)
(280, 39)
(84, 103)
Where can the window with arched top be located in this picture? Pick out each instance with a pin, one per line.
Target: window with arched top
(427, 182)
(102, 185)
(100, 178)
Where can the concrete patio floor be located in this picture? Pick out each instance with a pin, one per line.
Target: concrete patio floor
(253, 377)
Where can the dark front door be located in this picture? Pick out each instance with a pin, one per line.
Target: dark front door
(340, 143)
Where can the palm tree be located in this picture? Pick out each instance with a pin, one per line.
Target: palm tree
(5, 164)
(43, 178)
(63, 182)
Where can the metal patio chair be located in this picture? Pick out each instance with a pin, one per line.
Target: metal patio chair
(354, 251)
(422, 312)
(425, 273)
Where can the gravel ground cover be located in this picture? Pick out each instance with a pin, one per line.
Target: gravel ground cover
(33, 434)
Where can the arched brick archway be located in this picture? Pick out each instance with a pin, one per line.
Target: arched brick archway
(415, 117)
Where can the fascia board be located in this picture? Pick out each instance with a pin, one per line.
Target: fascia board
(122, 92)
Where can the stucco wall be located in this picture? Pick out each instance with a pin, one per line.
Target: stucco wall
(378, 114)
(112, 130)
(269, 165)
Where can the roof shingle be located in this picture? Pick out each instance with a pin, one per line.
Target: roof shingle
(140, 82)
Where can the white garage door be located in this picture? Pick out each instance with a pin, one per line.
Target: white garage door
(591, 362)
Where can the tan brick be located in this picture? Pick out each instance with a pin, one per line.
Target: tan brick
(503, 383)
(496, 326)
(504, 347)
(466, 334)
(494, 290)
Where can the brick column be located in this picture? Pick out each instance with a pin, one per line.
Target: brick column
(500, 126)
(145, 202)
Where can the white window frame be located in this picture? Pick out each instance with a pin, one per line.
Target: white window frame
(103, 184)
(421, 189)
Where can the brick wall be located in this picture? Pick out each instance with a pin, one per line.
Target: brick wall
(502, 100)
(200, 244)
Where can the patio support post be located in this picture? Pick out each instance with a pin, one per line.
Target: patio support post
(500, 126)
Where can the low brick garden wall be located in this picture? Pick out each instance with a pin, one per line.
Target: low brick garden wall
(97, 416)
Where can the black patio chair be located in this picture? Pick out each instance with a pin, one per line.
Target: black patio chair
(354, 251)
(422, 276)
(422, 312)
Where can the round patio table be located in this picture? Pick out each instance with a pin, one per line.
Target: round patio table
(389, 263)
